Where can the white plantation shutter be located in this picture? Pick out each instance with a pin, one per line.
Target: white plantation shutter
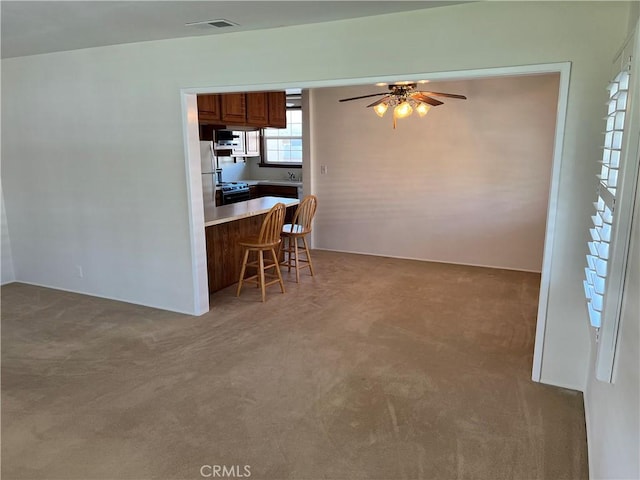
(608, 261)
(595, 283)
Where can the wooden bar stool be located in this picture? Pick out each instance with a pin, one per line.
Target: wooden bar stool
(268, 240)
(298, 229)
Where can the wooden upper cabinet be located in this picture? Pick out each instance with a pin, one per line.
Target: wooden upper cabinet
(207, 132)
(257, 109)
(277, 109)
(209, 109)
(234, 108)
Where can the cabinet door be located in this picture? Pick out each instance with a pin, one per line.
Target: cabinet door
(209, 109)
(285, 191)
(207, 132)
(239, 150)
(234, 108)
(277, 109)
(252, 144)
(257, 109)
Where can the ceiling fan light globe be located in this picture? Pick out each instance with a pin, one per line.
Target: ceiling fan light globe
(403, 110)
(423, 109)
(380, 109)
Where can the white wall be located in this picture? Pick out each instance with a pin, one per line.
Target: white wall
(8, 275)
(468, 183)
(93, 152)
(612, 409)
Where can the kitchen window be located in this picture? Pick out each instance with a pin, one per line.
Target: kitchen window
(283, 146)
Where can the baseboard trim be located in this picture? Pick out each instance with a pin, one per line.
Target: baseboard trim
(429, 260)
(587, 425)
(104, 297)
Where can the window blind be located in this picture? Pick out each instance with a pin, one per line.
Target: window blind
(595, 282)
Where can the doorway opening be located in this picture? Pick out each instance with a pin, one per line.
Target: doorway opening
(311, 170)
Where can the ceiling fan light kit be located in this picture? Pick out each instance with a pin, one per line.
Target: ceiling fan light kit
(404, 99)
(381, 109)
(423, 109)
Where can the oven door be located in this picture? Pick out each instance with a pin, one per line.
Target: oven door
(235, 196)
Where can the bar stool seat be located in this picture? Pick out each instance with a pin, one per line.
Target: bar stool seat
(268, 240)
(294, 229)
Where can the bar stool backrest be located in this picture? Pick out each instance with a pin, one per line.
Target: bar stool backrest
(305, 213)
(272, 225)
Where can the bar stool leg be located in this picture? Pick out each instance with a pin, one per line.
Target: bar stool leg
(244, 267)
(277, 267)
(289, 252)
(257, 270)
(261, 274)
(306, 249)
(297, 259)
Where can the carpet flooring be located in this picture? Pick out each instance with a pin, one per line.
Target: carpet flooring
(376, 368)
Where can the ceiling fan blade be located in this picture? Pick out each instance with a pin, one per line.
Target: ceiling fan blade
(421, 97)
(378, 102)
(361, 96)
(440, 94)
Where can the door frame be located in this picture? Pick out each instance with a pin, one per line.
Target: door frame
(194, 181)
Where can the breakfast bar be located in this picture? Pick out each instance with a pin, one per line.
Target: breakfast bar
(225, 225)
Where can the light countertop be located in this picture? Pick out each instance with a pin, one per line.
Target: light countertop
(286, 183)
(228, 213)
(273, 182)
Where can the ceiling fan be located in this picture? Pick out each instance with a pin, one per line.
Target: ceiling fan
(404, 97)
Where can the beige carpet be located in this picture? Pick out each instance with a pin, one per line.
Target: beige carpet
(375, 368)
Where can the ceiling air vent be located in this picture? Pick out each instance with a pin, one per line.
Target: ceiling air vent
(222, 23)
(218, 23)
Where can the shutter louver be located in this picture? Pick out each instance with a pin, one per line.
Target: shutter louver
(596, 270)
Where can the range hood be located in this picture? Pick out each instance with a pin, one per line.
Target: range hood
(210, 132)
(226, 138)
(241, 128)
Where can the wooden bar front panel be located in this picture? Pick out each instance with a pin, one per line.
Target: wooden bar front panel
(224, 255)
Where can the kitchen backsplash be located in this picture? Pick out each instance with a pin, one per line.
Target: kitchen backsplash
(233, 172)
(255, 172)
(241, 170)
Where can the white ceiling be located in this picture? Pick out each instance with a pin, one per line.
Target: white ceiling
(34, 27)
